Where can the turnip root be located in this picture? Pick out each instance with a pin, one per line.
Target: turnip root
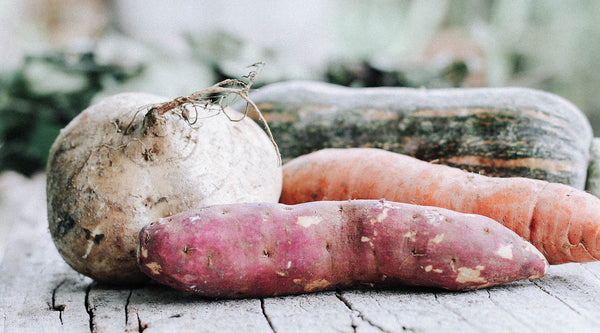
(267, 249)
(133, 158)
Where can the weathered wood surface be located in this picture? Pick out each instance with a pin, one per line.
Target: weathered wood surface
(40, 293)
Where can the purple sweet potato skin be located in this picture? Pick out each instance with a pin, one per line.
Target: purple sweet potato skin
(269, 249)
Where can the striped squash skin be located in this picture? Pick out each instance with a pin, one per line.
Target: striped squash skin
(504, 132)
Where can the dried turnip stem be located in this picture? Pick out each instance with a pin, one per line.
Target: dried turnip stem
(205, 99)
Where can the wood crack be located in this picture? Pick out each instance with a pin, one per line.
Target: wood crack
(556, 297)
(141, 326)
(264, 312)
(359, 314)
(457, 313)
(594, 274)
(89, 308)
(496, 304)
(57, 307)
(127, 307)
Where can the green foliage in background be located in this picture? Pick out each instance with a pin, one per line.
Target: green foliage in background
(542, 44)
(40, 98)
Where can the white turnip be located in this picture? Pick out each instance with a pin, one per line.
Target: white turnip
(133, 158)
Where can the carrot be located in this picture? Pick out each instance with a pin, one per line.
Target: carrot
(562, 222)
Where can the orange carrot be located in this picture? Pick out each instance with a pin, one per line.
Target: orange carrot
(562, 222)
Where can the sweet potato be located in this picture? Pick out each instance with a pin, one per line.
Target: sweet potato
(267, 249)
(561, 221)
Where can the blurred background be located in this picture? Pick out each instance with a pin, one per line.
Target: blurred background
(58, 56)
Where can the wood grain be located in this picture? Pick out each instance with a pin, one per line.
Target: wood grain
(40, 293)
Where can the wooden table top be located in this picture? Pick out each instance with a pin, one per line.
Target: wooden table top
(39, 292)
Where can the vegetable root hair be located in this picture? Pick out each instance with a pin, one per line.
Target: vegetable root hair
(213, 96)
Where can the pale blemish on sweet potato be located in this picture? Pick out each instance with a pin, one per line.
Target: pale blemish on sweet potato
(470, 275)
(411, 235)
(438, 238)
(429, 268)
(307, 221)
(505, 251)
(317, 285)
(383, 215)
(154, 268)
(143, 253)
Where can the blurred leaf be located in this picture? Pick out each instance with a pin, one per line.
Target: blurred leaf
(40, 98)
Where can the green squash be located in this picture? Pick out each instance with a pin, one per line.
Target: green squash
(504, 132)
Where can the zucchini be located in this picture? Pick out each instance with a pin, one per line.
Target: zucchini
(503, 132)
